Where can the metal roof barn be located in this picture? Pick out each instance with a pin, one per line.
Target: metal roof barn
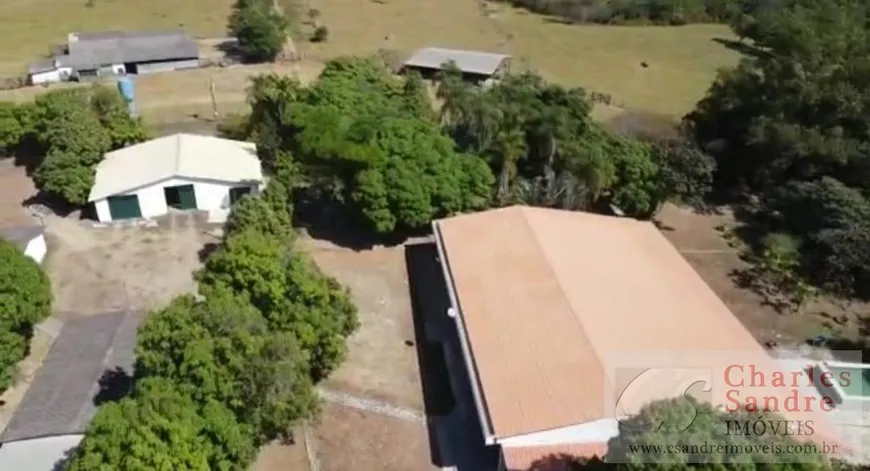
(92, 50)
(470, 62)
(62, 399)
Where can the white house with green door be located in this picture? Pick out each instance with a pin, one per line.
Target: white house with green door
(181, 171)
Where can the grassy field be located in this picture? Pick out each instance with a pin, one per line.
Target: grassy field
(682, 61)
(31, 27)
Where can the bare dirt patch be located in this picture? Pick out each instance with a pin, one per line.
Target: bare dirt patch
(94, 270)
(283, 457)
(382, 359)
(697, 238)
(171, 96)
(360, 440)
(15, 187)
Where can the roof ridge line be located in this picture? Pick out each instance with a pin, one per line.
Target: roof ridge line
(549, 263)
(178, 153)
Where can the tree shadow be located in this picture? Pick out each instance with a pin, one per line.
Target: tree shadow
(557, 20)
(206, 251)
(115, 384)
(230, 50)
(743, 48)
(644, 125)
(662, 226)
(61, 464)
(324, 218)
(428, 299)
(55, 204)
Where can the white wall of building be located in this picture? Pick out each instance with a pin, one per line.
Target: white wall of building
(156, 67)
(51, 76)
(210, 195)
(596, 431)
(36, 249)
(37, 454)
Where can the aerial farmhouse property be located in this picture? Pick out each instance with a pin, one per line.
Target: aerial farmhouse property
(181, 171)
(91, 55)
(476, 66)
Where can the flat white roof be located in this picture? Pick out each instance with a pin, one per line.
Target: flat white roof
(473, 62)
(178, 155)
(38, 454)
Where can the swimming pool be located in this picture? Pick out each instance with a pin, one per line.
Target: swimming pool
(850, 381)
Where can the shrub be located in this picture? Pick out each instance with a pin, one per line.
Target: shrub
(321, 34)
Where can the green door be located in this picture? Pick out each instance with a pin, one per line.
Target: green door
(237, 193)
(124, 207)
(186, 197)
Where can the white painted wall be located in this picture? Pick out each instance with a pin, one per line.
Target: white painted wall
(156, 67)
(210, 195)
(37, 454)
(36, 249)
(51, 76)
(596, 431)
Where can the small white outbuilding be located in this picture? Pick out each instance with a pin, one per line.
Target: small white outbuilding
(30, 239)
(182, 171)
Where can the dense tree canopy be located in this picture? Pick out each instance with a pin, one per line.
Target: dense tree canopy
(790, 124)
(25, 300)
(162, 429)
(686, 423)
(260, 29)
(361, 132)
(546, 150)
(221, 349)
(64, 135)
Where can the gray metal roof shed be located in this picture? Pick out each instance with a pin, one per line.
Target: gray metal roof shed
(471, 62)
(92, 50)
(62, 398)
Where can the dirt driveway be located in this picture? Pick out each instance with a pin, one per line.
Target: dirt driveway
(96, 269)
(382, 358)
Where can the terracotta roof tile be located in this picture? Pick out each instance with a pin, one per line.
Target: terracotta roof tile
(547, 296)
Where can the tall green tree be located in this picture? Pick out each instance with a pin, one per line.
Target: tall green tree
(259, 28)
(222, 350)
(685, 424)
(162, 429)
(791, 126)
(369, 139)
(25, 300)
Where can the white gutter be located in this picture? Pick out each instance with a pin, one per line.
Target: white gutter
(482, 414)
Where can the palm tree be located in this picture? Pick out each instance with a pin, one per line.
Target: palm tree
(509, 145)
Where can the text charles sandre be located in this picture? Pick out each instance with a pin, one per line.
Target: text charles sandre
(740, 379)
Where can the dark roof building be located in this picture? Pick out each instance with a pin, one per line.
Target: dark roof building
(92, 50)
(89, 360)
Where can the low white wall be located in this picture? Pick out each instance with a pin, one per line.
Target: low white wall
(36, 249)
(50, 76)
(596, 431)
(210, 195)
